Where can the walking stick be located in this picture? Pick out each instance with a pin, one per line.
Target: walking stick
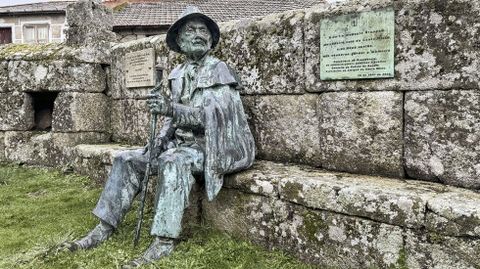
(151, 145)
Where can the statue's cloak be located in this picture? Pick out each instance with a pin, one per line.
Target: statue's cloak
(229, 144)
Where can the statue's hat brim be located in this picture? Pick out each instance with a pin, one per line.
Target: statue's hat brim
(190, 13)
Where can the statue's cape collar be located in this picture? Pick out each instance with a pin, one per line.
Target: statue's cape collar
(211, 72)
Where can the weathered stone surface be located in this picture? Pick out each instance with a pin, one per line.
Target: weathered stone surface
(59, 75)
(436, 45)
(95, 161)
(434, 251)
(350, 221)
(77, 112)
(130, 121)
(320, 237)
(90, 24)
(455, 213)
(3, 76)
(46, 148)
(117, 87)
(268, 52)
(2, 147)
(263, 178)
(16, 111)
(412, 204)
(383, 200)
(55, 52)
(442, 137)
(380, 199)
(361, 132)
(286, 128)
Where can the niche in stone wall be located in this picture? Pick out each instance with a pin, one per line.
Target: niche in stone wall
(43, 103)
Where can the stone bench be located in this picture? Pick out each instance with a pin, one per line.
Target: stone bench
(350, 221)
(337, 219)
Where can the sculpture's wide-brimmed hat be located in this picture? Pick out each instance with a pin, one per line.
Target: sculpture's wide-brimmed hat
(191, 12)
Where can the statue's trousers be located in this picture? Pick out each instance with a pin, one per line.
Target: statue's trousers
(175, 168)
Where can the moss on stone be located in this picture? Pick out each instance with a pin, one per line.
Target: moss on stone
(291, 190)
(312, 223)
(402, 260)
(39, 51)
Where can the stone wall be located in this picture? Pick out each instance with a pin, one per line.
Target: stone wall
(53, 96)
(422, 124)
(379, 139)
(81, 110)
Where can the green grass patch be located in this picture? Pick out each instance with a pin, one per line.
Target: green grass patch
(41, 208)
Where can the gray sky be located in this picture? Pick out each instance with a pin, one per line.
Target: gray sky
(18, 2)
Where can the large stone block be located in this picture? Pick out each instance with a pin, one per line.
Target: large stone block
(324, 238)
(55, 52)
(433, 251)
(95, 161)
(442, 137)
(90, 24)
(455, 212)
(285, 128)
(411, 204)
(436, 45)
(58, 75)
(130, 121)
(361, 132)
(3, 76)
(326, 217)
(81, 112)
(16, 111)
(46, 148)
(380, 199)
(268, 52)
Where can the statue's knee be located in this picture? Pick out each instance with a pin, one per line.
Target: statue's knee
(123, 157)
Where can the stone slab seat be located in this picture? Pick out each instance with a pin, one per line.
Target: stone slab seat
(343, 220)
(337, 219)
(95, 160)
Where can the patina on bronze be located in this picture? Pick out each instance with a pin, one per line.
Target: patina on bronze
(205, 133)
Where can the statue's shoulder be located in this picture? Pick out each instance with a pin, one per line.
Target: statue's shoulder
(177, 72)
(217, 72)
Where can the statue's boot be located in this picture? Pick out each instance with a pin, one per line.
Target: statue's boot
(100, 233)
(158, 249)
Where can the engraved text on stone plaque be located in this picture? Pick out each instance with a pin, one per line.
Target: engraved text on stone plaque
(139, 66)
(357, 46)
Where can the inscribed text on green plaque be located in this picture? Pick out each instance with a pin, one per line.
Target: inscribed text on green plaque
(357, 46)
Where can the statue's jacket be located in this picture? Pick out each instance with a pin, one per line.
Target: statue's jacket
(217, 113)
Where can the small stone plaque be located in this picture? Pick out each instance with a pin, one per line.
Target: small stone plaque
(139, 66)
(357, 46)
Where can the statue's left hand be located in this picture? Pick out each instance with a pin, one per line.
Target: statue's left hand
(160, 105)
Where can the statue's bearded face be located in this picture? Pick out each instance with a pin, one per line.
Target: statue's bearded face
(194, 38)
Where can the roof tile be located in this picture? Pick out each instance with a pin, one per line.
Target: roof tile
(165, 12)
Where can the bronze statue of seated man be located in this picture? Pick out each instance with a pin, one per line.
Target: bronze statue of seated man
(205, 133)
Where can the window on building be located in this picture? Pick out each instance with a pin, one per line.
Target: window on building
(5, 35)
(35, 33)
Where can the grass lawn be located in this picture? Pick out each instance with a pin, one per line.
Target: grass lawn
(40, 208)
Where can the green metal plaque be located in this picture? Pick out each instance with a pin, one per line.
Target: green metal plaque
(357, 46)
